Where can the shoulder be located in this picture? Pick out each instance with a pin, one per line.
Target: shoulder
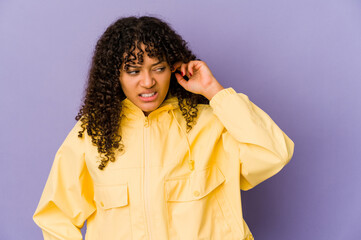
(206, 119)
(204, 109)
(73, 137)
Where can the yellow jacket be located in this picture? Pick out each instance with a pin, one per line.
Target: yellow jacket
(168, 184)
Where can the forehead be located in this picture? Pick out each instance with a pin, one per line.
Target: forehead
(142, 51)
(147, 61)
(136, 58)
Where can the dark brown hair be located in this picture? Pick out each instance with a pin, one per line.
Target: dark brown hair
(101, 107)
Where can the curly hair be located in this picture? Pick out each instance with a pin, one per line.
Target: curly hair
(100, 112)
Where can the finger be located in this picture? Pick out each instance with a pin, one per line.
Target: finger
(176, 66)
(191, 67)
(184, 69)
(181, 81)
(197, 65)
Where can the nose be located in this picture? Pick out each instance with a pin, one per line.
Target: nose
(147, 80)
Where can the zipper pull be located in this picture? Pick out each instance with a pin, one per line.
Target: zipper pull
(146, 121)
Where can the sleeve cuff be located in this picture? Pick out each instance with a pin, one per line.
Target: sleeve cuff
(217, 98)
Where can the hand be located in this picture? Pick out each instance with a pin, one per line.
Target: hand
(201, 80)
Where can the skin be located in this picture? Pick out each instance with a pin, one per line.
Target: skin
(154, 76)
(151, 76)
(201, 79)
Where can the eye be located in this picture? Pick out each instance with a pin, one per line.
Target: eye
(160, 69)
(133, 72)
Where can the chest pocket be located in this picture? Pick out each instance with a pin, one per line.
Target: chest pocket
(196, 206)
(113, 210)
(111, 196)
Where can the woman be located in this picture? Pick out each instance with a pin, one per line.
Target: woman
(160, 149)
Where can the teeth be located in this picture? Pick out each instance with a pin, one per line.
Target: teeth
(147, 95)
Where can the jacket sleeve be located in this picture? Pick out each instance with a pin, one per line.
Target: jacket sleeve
(67, 199)
(263, 148)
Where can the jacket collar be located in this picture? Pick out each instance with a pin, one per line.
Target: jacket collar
(131, 111)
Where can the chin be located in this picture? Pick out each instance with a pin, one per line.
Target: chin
(151, 106)
(150, 109)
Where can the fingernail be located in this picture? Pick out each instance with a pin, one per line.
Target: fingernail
(182, 73)
(190, 74)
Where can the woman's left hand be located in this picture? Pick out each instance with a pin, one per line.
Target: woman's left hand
(201, 79)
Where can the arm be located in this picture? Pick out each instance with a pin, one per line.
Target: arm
(264, 149)
(67, 199)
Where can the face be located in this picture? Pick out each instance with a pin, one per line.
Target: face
(146, 85)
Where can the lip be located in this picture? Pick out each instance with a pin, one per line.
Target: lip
(149, 99)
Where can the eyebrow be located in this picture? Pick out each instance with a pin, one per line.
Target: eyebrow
(134, 66)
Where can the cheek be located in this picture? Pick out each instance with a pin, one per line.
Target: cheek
(166, 80)
(166, 84)
(126, 85)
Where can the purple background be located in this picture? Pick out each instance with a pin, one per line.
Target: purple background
(300, 61)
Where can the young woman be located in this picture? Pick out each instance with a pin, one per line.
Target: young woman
(160, 149)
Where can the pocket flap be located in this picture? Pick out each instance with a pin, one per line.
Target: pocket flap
(111, 196)
(195, 186)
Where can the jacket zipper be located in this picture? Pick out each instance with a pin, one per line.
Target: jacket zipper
(146, 182)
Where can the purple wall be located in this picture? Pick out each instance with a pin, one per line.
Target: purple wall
(300, 61)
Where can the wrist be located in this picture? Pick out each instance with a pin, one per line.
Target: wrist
(211, 91)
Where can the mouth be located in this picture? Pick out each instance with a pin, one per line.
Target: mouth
(147, 97)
